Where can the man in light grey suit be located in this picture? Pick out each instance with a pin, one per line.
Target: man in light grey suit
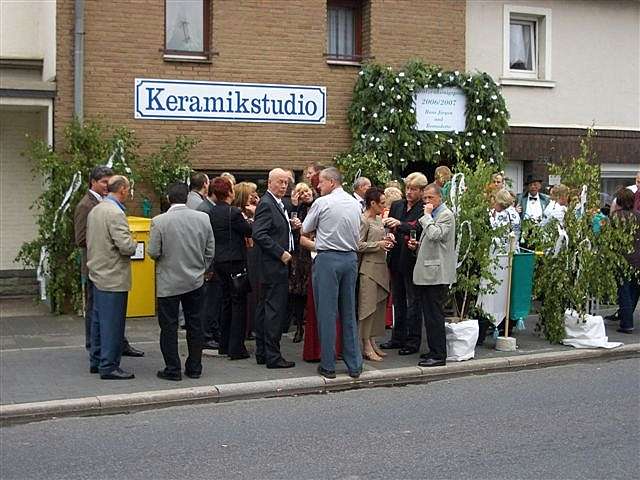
(182, 244)
(435, 270)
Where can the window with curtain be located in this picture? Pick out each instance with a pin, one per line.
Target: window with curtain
(186, 27)
(522, 45)
(344, 30)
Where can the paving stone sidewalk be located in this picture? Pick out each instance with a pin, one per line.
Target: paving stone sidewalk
(42, 357)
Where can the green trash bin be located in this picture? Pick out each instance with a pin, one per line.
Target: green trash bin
(521, 287)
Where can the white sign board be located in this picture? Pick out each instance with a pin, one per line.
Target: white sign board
(229, 102)
(440, 109)
(554, 180)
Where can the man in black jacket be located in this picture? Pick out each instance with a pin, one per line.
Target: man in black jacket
(402, 220)
(272, 234)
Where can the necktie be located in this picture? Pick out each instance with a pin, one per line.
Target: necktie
(533, 199)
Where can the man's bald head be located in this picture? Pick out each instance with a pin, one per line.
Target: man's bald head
(118, 187)
(278, 182)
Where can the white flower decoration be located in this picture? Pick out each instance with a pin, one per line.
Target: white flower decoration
(477, 101)
(412, 80)
(486, 85)
(402, 160)
(469, 134)
(384, 104)
(411, 110)
(392, 131)
(491, 160)
(436, 136)
(479, 117)
(437, 152)
(384, 127)
(439, 74)
(363, 136)
(418, 143)
(397, 80)
(370, 84)
(398, 97)
(456, 73)
(493, 134)
(439, 85)
(400, 111)
(494, 97)
(392, 110)
(360, 73)
(389, 154)
(363, 109)
(495, 110)
(466, 144)
(484, 131)
(377, 140)
(450, 141)
(489, 120)
(381, 88)
(406, 144)
(482, 147)
(473, 156)
(450, 78)
(375, 115)
(401, 74)
(372, 138)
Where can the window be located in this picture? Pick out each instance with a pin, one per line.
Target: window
(344, 31)
(527, 46)
(187, 28)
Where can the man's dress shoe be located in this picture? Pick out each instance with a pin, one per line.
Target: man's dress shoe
(282, 363)
(163, 374)
(432, 362)
(239, 356)
(193, 374)
(260, 360)
(390, 345)
(407, 351)
(93, 370)
(117, 374)
(210, 345)
(326, 373)
(129, 351)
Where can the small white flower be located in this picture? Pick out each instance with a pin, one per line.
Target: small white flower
(372, 138)
(392, 131)
(402, 160)
(412, 80)
(473, 156)
(392, 110)
(411, 110)
(360, 73)
(482, 147)
(455, 132)
(400, 111)
(437, 152)
(375, 115)
(384, 104)
(501, 153)
(398, 97)
(377, 140)
(494, 97)
(363, 136)
(397, 80)
(406, 144)
(495, 110)
(456, 73)
(479, 117)
(389, 154)
(477, 101)
(389, 68)
(469, 79)
(411, 88)
(493, 134)
(484, 131)
(466, 144)
(501, 112)
(363, 109)
(381, 88)
(491, 160)
(370, 84)
(450, 78)
(401, 74)
(418, 143)
(436, 136)
(489, 120)
(450, 141)
(469, 134)
(439, 85)
(486, 85)
(384, 127)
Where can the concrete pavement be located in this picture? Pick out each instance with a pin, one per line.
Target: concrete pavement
(44, 368)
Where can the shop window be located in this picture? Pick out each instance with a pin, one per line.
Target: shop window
(527, 46)
(344, 31)
(187, 29)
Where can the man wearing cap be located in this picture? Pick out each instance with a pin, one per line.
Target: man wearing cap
(531, 205)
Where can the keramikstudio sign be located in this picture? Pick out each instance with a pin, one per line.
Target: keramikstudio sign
(229, 102)
(440, 109)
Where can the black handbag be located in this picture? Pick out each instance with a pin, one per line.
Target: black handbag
(240, 283)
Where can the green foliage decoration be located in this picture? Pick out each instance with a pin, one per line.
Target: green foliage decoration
(353, 165)
(591, 265)
(382, 117)
(84, 146)
(474, 236)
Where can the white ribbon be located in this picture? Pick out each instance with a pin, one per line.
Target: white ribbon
(581, 208)
(466, 223)
(458, 187)
(563, 240)
(575, 258)
(118, 154)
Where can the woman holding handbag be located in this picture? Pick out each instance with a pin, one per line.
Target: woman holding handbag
(230, 228)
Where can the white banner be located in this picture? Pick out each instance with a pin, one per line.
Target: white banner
(229, 102)
(440, 109)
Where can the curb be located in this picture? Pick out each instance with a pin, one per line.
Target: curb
(129, 402)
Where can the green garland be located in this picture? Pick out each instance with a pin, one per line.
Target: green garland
(382, 117)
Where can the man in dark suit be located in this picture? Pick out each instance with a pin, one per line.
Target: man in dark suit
(532, 204)
(98, 189)
(402, 220)
(272, 234)
(212, 304)
(182, 244)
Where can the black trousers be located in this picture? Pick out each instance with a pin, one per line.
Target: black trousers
(271, 316)
(168, 320)
(432, 299)
(212, 309)
(407, 326)
(233, 315)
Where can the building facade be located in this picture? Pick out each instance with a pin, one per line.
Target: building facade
(27, 91)
(564, 66)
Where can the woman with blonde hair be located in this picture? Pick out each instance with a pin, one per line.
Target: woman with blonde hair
(391, 194)
(245, 195)
(443, 180)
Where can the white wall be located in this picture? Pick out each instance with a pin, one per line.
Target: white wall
(595, 62)
(28, 31)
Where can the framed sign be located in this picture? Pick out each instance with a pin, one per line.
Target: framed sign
(440, 109)
(230, 102)
(139, 253)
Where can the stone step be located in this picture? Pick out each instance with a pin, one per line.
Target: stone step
(18, 283)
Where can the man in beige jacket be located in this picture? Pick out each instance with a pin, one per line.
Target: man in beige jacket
(109, 248)
(435, 271)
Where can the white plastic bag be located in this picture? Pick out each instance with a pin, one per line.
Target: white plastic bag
(586, 332)
(461, 340)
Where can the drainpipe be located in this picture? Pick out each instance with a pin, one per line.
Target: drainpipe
(78, 61)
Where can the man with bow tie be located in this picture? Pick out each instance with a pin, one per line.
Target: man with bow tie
(531, 205)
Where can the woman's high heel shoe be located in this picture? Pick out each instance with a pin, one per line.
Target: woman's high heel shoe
(299, 334)
(372, 356)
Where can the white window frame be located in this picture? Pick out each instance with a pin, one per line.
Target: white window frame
(540, 76)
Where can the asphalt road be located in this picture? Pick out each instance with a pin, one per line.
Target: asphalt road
(578, 421)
